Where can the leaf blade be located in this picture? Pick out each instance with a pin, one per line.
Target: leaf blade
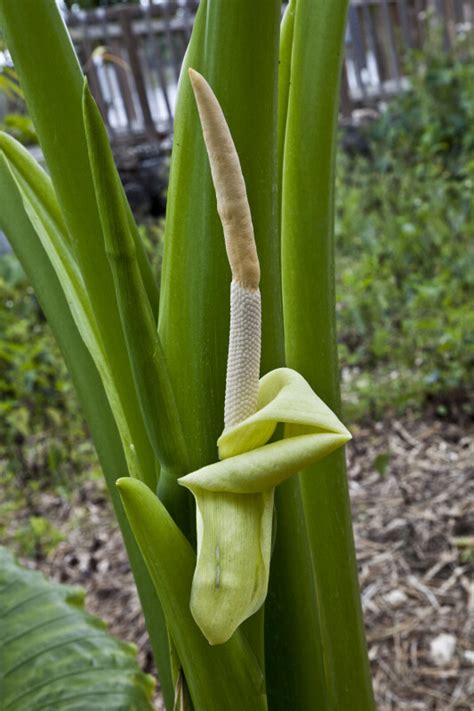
(45, 643)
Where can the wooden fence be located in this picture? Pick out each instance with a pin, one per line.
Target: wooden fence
(380, 35)
(132, 55)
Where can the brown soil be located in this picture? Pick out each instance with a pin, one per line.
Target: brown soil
(412, 489)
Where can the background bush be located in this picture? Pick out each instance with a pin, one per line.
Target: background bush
(405, 228)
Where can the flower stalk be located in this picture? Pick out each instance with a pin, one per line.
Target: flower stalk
(234, 497)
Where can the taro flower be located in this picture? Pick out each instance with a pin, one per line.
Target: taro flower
(147, 371)
(234, 497)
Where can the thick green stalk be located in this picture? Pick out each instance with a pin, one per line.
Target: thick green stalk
(28, 248)
(51, 80)
(284, 75)
(310, 334)
(234, 45)
(295, 675)
(149, 367)
(293, 655)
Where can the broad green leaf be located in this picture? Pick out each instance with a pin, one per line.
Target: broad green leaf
(94, 403)
(55, 655)
(310, 332)
(226, 677)
(234, 498)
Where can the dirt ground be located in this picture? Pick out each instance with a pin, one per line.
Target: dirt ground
(412, 489)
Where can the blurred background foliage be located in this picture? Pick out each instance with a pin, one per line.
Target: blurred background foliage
(88, 4)
(405, 227)
(405, 287)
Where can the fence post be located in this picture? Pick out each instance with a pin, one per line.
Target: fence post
(404, 23)
(171, 43)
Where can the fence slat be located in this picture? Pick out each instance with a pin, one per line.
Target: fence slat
(171, 43)
(102, 21)
(357, 53)
(459, 11)
(346, 103)
(392, 48)
(404, 24)
(154, 61)
(189, 15)
(441, 10)
(122, 74)
(138, 95)
(92, 76)
(372, 43)
(137, 73)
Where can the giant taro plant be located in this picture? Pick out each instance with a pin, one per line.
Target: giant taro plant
(242, 553)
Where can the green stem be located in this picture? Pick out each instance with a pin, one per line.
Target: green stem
(310, 333)
(293, 649)
(150, 370)
(234, 46)
(284, 75)
(293, 656)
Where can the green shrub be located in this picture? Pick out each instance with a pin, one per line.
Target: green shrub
(434, 120)
(42, 432)
(43, 437)
(406, 258)
(20, 126)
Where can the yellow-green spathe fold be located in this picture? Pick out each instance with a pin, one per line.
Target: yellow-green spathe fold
(234, 498)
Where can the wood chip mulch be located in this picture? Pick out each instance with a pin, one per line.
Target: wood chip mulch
(412, 490)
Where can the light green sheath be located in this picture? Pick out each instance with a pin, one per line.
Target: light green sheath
(234, 498)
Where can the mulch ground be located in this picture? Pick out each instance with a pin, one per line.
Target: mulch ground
(412, 489)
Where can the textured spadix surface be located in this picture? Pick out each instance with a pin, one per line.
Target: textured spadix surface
(234, 498)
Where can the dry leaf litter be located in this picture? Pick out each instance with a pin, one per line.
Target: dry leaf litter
(412, 491)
